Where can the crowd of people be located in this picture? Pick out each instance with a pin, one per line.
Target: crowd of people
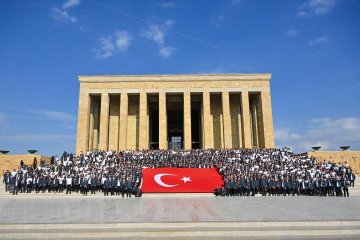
(246, 172)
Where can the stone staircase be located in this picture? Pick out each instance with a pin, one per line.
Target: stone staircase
(190, 230)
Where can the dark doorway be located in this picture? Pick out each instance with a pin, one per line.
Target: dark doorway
(175, 128)
(196, 124)
(175, 121)
(153, 124)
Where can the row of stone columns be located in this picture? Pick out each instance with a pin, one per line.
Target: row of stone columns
(207, 138)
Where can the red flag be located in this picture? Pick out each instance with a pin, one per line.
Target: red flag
(181, 180)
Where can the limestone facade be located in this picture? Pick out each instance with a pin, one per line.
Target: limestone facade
(174, 111)
(350, 157)
(10, 162)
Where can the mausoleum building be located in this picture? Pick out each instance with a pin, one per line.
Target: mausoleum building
(174, 111)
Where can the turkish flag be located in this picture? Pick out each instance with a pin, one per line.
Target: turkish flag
(179, 180)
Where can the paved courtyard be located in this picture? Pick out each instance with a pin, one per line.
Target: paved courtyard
(62, 210)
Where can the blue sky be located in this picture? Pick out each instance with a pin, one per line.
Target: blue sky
(310, 46)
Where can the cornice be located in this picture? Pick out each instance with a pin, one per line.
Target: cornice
(177, 77)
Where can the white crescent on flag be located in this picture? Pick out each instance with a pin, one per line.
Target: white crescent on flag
(158, 180)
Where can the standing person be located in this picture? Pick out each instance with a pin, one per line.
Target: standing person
(122, 186)
(56, 184)
(13, 185)
(263, 185)
(29, 182)
(23, 182)
(42, 183)
(352, 178)
(76, 181)
(346, 185)
(128, 187)
(106, 186)
(61, 183)
(34, 163)
(112, 185)
(242, 186)
(252, 186)
(68, 184)
(6, 180)
(338, 187)
(93, 184)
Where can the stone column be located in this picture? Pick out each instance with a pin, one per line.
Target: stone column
(91, 127)
(104, 122)
(163, 144)
(207, 124)
(226, 120)
(267, 119)
(83, 122)
(254, 125)
(143, 126)
(246, 119)
(123, 121)
(187, 120)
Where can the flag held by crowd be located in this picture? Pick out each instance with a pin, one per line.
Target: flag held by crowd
(181, 180)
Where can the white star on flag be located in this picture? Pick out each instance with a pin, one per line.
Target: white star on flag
(186, 179)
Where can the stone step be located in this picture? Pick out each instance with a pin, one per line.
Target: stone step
(347, 229)
(3, 193)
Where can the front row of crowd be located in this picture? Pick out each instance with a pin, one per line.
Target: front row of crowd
(70, 184)
(338, 186)
(246, 172)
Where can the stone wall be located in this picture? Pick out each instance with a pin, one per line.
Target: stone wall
(352, 157)
(10, 162)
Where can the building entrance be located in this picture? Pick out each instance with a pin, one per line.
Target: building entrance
(175, 121)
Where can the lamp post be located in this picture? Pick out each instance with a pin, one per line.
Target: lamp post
(316, 148)
(344, 148)
(31, 151)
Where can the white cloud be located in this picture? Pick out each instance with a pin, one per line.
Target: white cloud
(167, 5)
(70, 4)
(56, 115)
(318, 7)
(318, 41)
(106, 49)
(293, 32)
(157, 34)
(328, 133)
(61, 15)
(166, 52)
(119, 41)
(122, 40)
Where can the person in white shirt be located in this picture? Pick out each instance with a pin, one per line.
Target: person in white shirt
(68, 184)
